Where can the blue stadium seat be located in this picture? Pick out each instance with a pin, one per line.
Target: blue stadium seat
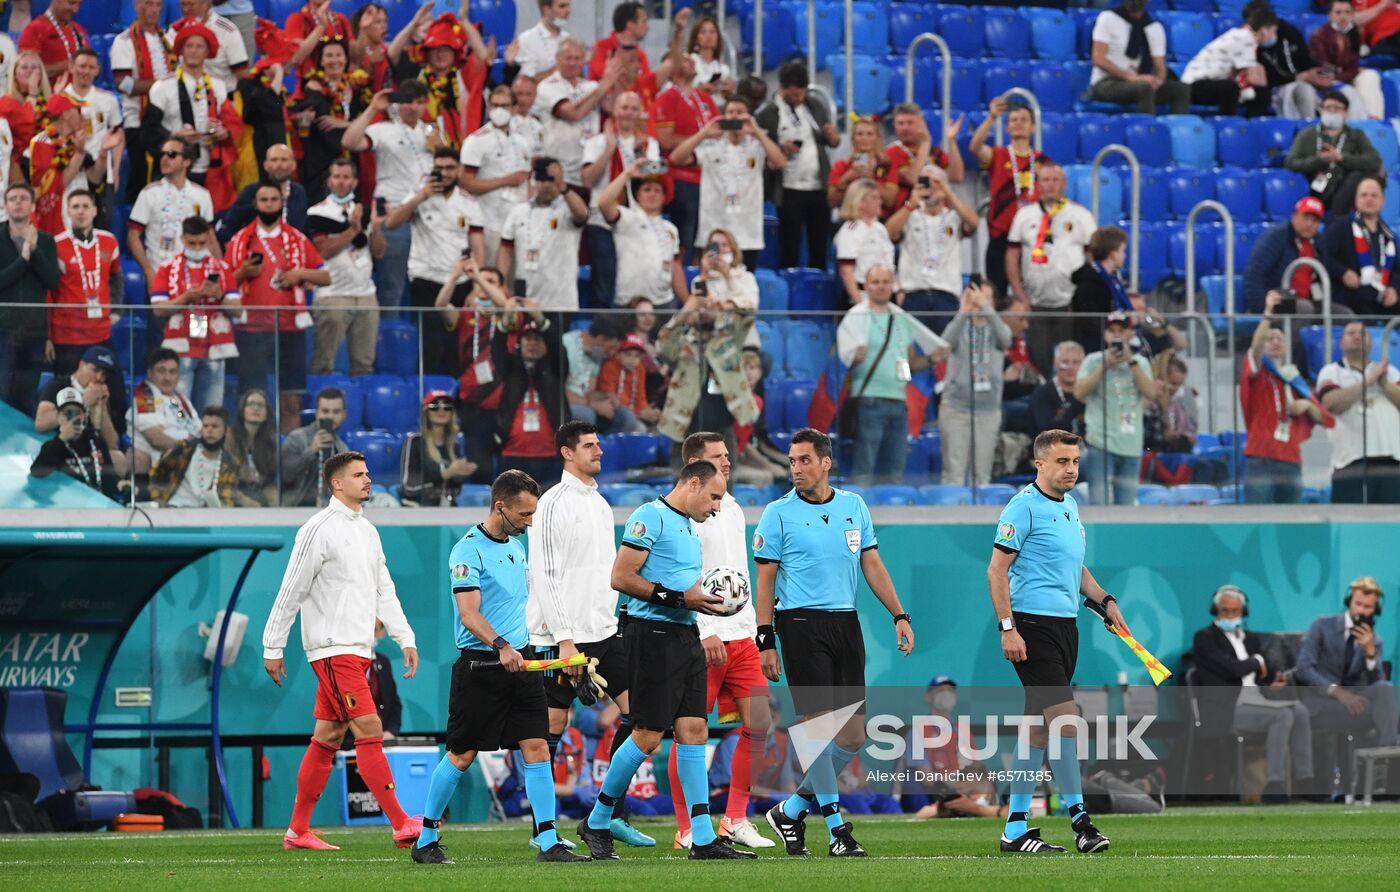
(769, 257)
(775, 394)
(806, 348)
(962, 27)
(993, 494)
(280, 10)
(1053, 86)
(397, 351)
(870, 27)
(494, 18)
(1290, 9)
(1153, 494)
(382, 454)
(1080, 189)
(1242, 193)
(1153, 257)
(892, 494)
(389, 403)
(1245, 236)
(1282, 189)
(1193, 140)
(1084, 20)
(133, 282)
(1235, 143)
(474, 495)
(1223, 22)
(128, 338)
(1273, 138)
(1152, 194)
(1187, 188)
(927, 90)
(1060, 134)
(809, 289)
(641, 449)
(940, 494)
(1151, 141)
(1382, 136)
(354, 397)
(830, 29)
(750, 496)
(1208, 239)
(1053, 31)
(99, 17)
(1001, 76)
(1097, 131)
(968, 75)
(1195, 493)
(1193, 5)
(627, 495)
(779, 33)
(798, 402)
(772, 291)
(614, 456)
(872, 83)
(1187, 33)
(770, 338)
(908, 21)
(919, 460)
(1006, 33)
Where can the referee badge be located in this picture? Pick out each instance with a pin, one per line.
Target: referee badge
(1006, 532)
(757, 541)
(853, 540)
(459, 572)
(637, 530)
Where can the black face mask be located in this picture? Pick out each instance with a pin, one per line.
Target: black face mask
(214, 446)
(270, 218)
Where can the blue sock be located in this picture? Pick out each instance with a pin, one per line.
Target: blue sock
(625, 763)
(1022, 789)
(796, 805)
(539, 789)
(831, 805)
(1066, 770)
(690, 765)
(440, 789)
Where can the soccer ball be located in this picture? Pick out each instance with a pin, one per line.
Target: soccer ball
(731, 585)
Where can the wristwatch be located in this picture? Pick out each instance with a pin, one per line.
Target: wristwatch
(903, 616)
(1006, 624)
(500, 642)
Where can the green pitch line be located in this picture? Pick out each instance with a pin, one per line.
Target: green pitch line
(1316, 847)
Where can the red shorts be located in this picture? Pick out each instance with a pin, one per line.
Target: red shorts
(342, 688)
(740, 676)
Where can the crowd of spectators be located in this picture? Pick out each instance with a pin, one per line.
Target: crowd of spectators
(322, 173)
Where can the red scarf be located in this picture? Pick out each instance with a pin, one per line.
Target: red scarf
(145, 65)
(1044, 237)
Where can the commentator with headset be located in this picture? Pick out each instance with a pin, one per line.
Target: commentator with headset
(1242, 693)
(1341, 662)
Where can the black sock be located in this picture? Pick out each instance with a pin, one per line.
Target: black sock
(620, 736)
(1078, 816)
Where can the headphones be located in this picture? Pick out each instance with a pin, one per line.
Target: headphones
(1226, 591)
(1365, 582)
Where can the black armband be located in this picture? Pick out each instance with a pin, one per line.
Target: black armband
(667, 598)
(766, 639)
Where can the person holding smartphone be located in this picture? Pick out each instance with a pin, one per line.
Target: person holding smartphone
(539, 243)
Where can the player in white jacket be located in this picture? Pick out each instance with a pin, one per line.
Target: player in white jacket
(736, 677)
(572, 607)
(338, 581)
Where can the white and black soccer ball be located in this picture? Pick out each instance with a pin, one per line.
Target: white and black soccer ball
(729, 584)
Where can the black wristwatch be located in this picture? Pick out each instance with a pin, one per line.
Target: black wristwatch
(903, 616)
(1006, 624)
(500, 642)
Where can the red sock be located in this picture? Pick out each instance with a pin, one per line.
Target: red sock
(737, 808)
(311, 782)
(374, 768)
(677, 794)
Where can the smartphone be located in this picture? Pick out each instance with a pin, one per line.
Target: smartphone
(382, 206)
(325, 424)
(542, 173)
(1288, 306)
(925, 182)
(435, 176)
(975, 280)
(714, 78)
(712, 248)
(702, 288)
(400, 96)
(467, 251)
(255, 256)
(730, 125)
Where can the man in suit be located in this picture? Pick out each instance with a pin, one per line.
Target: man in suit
(1341, 660)
(1230, 661)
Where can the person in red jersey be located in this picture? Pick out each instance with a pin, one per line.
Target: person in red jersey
(195, 293)
(55, 36)
(57, 157)
(339, 582)
(1011, 172)
(80, 307)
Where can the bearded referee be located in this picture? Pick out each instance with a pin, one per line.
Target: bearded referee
(736, 677)
(494, 708)
(573, 608)
(338, 581)
(811, 548)
(1036, 576)
(659, 568)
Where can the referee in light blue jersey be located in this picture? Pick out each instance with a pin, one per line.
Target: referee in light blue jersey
(811, 548)
(1036, 576)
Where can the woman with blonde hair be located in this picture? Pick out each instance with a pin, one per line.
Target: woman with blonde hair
(26, 94)
(433, 470)
(862, 241)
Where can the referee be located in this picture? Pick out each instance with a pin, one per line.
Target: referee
(573, 608)
(1036, 575)
(659, 568)
(811, 548)
(495, 708)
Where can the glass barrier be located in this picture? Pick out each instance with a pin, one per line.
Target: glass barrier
(1176, 408)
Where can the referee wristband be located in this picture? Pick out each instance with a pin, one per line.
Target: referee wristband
(1107, 600)
(667, 598)
(766, 639)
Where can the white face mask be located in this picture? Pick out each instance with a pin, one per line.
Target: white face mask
(196, 255)
(1342, 29)
(1332, 120)
(500, 116)
(944, 701)
(558, 22)
(727, 257)
(347, 198)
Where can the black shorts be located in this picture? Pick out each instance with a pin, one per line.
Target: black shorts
(1052, 649)
(667, 676)
(823, 658)
(492, 709)
(612, 665)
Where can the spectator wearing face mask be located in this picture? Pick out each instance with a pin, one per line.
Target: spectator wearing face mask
(198, 472)
(539, 243)
(624, 139)
(496, 171)
(195, 293)
(1226, 72)
(1333, 156)
(1336, 46)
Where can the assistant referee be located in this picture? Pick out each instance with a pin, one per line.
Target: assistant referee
(1036, 575)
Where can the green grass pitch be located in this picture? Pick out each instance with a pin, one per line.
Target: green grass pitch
(1313, 846)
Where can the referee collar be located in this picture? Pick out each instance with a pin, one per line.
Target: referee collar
(831, 496)
(662, 500)
(487, 533)
(1046, 494)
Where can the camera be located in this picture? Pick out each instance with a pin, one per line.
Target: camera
(654, 168)
(541, 171)
(925, 182)
(731, 125)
